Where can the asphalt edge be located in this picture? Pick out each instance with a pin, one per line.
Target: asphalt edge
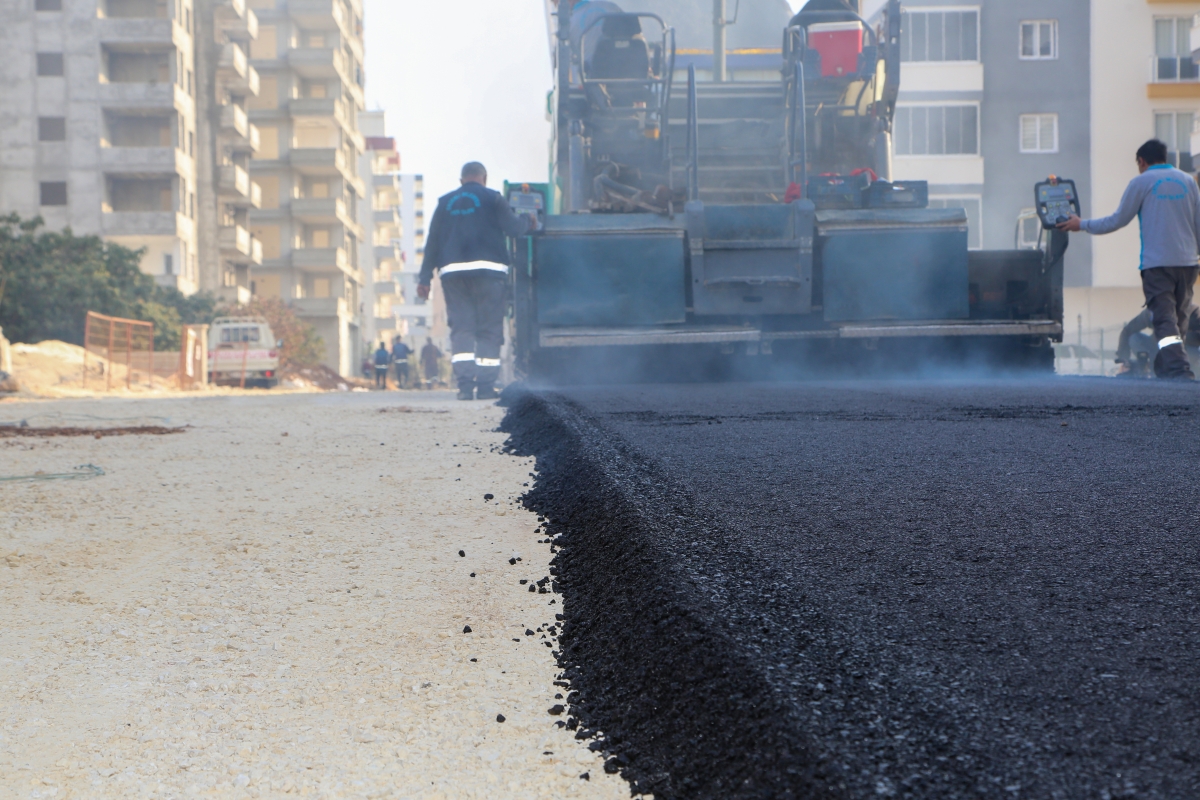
(667, 691)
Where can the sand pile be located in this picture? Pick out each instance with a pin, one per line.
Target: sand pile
(55, 369)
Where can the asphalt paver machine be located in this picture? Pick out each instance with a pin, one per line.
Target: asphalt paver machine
(756, 217)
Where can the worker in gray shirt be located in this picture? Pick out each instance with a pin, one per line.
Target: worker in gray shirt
(1167, 203)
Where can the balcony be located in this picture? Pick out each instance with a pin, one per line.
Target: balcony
(318, 210)
(144, 96)
(234, 186)
(321, 259)
(321, 63)
(234, 71)
(234, 241)
(235, 20)
(385, 253)
(141, 33)
(387, 289)
(1173, 78)
(318, 161)
(145, 161)
(147, 223)
(317, 14)
(237, 130)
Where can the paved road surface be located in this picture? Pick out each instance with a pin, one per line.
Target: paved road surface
(951, 590)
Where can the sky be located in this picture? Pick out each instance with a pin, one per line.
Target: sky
(463, 80)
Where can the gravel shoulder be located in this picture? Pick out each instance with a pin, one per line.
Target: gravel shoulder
(273, 603)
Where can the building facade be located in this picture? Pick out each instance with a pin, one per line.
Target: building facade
(98, 117)
(226, 142)
(381, 259)
(424, 319)
(309, 57)
(998, 94)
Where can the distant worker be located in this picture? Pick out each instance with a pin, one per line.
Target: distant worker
(466, 243)
(431, 362)
(1136, 349)
(1167, 202)
(383, 360)
(400, 354)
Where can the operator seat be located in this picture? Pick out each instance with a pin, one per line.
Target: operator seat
(622, 53)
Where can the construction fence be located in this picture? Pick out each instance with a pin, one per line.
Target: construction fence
(119, 353)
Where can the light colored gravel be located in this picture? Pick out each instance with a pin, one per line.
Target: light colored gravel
(233, 612)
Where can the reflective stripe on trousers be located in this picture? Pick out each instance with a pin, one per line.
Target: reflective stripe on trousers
(459, 358)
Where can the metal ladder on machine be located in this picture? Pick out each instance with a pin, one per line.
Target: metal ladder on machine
(751, 253)
(741, 135)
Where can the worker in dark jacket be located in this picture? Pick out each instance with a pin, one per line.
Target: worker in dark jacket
(382, 359)
(467, 246)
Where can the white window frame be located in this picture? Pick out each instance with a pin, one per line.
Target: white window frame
(1180, 58)
(950, 198)
(1040, 151)
(978, 129)
(978, 11)
(1177, 150)
(1037, 27)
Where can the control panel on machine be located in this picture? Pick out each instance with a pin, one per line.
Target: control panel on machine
(1057, 200)
(529, 200)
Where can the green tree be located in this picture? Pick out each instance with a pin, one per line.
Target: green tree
(50, 280)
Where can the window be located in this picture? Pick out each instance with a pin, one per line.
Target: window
(52, 129)
(49, 64)
(48, 5)
(1039, 133)
(940, 36)
(168, 264)
(1175, 128)
(1173, 50)
(973, 205)
(937, 130)
(1039, 40)
(54, 193)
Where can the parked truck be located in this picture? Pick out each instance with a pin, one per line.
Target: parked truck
(243, 351)
(758, 218)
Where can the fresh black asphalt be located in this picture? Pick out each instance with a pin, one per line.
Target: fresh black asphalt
(860, 590)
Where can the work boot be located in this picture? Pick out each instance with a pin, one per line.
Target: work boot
(466, 390)
(1172, 363)
(486, 391)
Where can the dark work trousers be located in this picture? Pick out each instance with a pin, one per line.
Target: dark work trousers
(401, 373)
(475, 304)
(1169, 293)
(381, 377)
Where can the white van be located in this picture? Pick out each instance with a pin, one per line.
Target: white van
(243, 350)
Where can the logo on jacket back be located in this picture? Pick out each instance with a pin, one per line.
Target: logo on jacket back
(455, 211)
(1170, 189)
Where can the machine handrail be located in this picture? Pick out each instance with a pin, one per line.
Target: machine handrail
(799, 149)
(693, 142)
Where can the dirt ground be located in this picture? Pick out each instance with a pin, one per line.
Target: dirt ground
(273, 603)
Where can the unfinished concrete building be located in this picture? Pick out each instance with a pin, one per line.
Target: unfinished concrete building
(381, 262)
(227, 141)
(98, 114)
(309, 57)
(421, 317)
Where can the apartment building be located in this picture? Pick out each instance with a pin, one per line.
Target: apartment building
(381, 258)
(423, 318)
(226, 143)
(98, 114)
(309, 56)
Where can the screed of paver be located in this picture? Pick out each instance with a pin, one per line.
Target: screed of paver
(276, 602)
